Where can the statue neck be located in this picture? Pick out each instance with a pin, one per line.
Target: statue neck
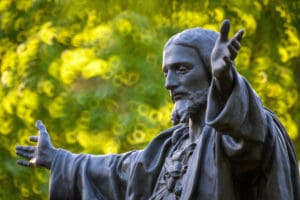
(196, 124)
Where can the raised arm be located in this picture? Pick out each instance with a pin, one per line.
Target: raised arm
(40, 155)
(233, 106)
(222, 59)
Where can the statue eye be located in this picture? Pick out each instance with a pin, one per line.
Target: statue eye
(182, 69)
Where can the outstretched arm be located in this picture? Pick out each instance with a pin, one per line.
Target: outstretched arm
(222, 59)
(40, 155)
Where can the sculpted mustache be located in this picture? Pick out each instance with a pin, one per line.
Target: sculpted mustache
(192, 96)
(199, 95)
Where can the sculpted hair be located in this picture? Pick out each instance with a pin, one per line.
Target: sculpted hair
(202, 40)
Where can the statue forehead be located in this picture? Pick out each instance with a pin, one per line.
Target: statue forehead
(175, 53)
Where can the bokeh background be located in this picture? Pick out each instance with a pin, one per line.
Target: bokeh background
(91, 70)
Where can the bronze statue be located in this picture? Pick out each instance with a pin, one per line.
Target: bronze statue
(224, 144)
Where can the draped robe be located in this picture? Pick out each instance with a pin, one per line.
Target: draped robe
(243, 152)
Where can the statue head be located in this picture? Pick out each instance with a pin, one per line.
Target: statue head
(187, 68)
(199, 39)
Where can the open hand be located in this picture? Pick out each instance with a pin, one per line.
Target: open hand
(225, 51)
(40, 155)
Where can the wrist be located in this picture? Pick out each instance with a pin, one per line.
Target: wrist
(223, 86)
(50, 157)
(224, 82)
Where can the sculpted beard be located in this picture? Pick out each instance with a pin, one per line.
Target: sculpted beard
(184, 109)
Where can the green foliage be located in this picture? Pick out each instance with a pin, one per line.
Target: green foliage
(91, 71)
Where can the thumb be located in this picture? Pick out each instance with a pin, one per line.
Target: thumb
(44, 138)
(41, 127)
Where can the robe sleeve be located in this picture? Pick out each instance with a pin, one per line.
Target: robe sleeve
(131, 175)
(251, 140)
(89, 177)
(241, 124)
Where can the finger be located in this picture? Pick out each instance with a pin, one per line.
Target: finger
(24, 163)
(25, 154)
(224, 30)
(239, 35)
(25, 148)
(235, 44)
(42, 129)
(34, 138)
(233, 52)
(40, 126)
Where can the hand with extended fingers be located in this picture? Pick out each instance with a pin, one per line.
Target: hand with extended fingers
(224, 53)
(40, 155)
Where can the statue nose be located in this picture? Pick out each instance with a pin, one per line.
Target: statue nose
(171, 81)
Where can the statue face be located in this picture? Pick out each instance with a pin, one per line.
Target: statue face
(184, 72)
(186, 79)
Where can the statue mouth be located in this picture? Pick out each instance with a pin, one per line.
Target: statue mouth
(178, 96)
